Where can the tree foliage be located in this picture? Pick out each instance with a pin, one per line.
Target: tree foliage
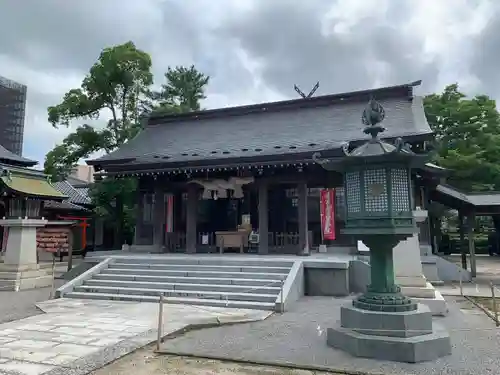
(118, 87)
(467, 138)
(183, 90)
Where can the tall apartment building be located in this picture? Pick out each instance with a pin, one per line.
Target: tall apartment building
(12, 112)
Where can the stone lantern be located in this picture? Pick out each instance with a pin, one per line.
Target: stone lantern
(379, 212)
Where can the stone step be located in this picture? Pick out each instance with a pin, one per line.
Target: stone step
(201, 267)
(213, 260)
(176, 300)
(188, 280)
(184, 286)
(238, 296)
(182, 273)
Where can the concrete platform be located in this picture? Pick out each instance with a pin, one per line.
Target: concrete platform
(16, 278)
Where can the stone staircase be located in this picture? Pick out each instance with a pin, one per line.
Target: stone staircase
(238, 283)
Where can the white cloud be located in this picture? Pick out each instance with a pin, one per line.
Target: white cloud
(254, 50)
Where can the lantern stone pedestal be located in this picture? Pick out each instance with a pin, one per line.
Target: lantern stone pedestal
(19, 269)
(383, 323)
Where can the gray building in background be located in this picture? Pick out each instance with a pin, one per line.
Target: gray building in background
(12, 112)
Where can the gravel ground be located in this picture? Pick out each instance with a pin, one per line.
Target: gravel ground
(20, 305)
(144, 362)
(299, 337)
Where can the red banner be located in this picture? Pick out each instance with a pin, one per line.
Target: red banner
(169, 222)
(327, 212)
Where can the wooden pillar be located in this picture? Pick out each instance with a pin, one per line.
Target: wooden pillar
(303, 220)
(263, 219)
(139, 217)
(471, 220)
(191, 218)
(425, 231)
(119, 224)
(158, 218)
(463, 245)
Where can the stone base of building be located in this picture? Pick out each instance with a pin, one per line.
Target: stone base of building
(402, 337)
(422, 289)
(146, 249)
(424, 292)
(16, 278)
(437, 304)
(430, 270)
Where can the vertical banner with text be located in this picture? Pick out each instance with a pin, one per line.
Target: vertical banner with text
(169, 222)
(327, 212)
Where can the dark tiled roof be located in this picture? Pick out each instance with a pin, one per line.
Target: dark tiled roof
(475, 199)
(75, 195)
(10, 158)
(76, 182)
(269, 130)
(65, 205)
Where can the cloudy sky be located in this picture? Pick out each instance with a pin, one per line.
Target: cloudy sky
(254, 50)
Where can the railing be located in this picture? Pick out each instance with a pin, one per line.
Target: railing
(279, 242)
(492, 309)
(454, 246)
(162, 300)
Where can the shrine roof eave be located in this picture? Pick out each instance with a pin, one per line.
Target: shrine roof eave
(138, 166)
(479, 203)
(28, 182)
(65, 206)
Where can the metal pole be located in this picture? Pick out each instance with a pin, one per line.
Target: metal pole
(461, 287)
(463, 252)
(52, 286)
(494, 303)
(160, 321)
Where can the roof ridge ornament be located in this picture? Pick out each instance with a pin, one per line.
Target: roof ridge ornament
(311, 93)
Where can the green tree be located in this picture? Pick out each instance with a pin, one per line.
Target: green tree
(467, 138)
(117, 87)
(183, 90)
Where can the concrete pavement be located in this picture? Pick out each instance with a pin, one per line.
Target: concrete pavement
(78, 336)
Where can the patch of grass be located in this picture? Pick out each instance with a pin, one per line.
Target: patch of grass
(488, 305)
(487, 302)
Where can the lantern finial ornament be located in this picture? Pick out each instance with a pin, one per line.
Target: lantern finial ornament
(373, 115)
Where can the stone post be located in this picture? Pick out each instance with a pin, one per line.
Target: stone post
(20, 265)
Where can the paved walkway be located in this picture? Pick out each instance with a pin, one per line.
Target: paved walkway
(78, 336)
(299, 337)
